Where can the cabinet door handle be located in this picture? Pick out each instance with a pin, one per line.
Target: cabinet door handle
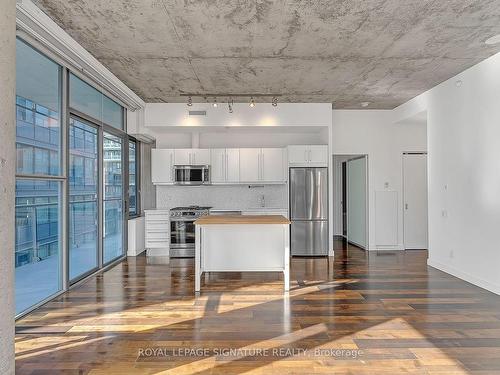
(263, 166)
(171, 167)
(309, 155)
(227, 166)
(305, 155)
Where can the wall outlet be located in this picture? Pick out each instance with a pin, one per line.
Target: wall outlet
(444, 213)
(452, 254)
(386, 185)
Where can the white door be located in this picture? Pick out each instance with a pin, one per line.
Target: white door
(217, 165)
(415, 200)
(249, 164)
(356, 201)
(200, 156)
(298, 154)
(182, 156)
(273, 169)
(232, 165)
(318, 154)
(162, 166)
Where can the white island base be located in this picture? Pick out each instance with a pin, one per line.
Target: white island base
(242, 243)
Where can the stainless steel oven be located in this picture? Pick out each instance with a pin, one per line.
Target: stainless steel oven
(192, 174)
(182, 231)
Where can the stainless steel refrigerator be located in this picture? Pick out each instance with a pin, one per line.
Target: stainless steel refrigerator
(309, 211)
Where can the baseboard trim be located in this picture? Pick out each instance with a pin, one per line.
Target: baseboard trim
(477, 281)
(157, 252)
(387, 248)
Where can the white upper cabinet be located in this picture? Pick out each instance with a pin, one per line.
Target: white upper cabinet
(308, 155)
(232, 165)
(318, 154)
(273, 165)
(225, 165)
(218, 165)
(200, 156)
(192, 156)
(182, 156)
(162, 166)
(262, 165)
(250, 164)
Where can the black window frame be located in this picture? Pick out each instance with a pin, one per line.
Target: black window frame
(137, 212)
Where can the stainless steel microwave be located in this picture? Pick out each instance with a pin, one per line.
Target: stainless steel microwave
(192, 174)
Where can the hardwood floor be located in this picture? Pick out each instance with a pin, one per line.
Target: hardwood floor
(376, 313)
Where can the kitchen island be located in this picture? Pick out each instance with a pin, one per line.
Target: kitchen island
(242, 243)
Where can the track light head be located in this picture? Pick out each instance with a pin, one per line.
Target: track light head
(190, 101)
(230, 106)
(252, 102)
(215, 103)
(275, 101)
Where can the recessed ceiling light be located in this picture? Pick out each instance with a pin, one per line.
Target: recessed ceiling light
(493, 40)
(365, 104)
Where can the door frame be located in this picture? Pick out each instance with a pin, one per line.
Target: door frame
(343, 192)
(338, 172)
(124, 160)
(99, 177)
(404, 190)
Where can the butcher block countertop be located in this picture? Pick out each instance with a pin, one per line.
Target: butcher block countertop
(242, 219)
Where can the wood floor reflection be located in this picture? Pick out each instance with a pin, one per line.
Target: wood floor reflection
(357, 313)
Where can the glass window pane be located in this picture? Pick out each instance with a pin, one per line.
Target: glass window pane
(113, 197)
(83, 214)
(38, 242)
(85, 98)
(90, 101)
(112, 113)
(132, 178)
(38, 103)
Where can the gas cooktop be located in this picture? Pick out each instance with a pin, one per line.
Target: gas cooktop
(196, 208)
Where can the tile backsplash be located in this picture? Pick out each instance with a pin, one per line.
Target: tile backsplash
(222, 196)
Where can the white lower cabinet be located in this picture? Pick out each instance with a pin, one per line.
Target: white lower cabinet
(157, 229)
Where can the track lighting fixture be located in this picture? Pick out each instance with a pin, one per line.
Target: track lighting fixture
(211, 99)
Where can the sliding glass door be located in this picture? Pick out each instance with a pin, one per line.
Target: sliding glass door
(39, 178)
(83, 198)
(113, 201)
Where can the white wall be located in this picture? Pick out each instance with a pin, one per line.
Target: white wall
(374, 133)
(464, 172)
(264, 114)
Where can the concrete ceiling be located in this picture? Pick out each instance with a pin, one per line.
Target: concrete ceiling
(341, 51)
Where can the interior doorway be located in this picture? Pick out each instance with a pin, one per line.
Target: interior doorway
(351, 199)
(415, 200)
